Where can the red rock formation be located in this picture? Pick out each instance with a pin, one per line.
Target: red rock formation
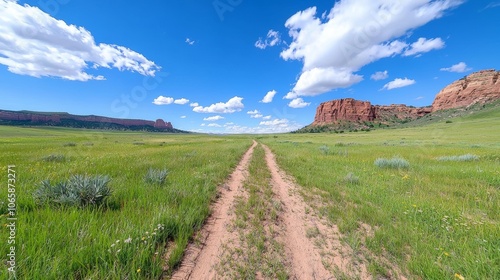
(480, 87)
(39, 118)
(359, 111)
(344, 109)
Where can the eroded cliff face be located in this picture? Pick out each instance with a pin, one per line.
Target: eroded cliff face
(362, 111)
(479, 87)
(56, 119)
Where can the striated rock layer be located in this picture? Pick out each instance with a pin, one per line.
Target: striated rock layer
(61, 118)
(479, 87)
(360, 111)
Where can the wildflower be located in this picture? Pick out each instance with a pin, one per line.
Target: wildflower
(414, 205)
(117, 241)
(143, 238)
(113, 245)
(138, 270)
(118, 251)
(458, 276)
(128, 240)
(406, 177)
(446, 254)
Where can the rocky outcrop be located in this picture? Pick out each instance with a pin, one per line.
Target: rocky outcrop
(362, 111)
(344, 109)
(479, 87)
(65, 119)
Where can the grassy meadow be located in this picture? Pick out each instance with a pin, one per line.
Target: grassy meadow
(141, 222)
(431, 212)
(438, 217)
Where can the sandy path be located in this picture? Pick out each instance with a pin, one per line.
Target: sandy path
(304, 257)
(199, 260)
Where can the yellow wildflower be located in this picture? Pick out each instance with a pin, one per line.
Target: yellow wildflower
(458, 276)
(138, 270)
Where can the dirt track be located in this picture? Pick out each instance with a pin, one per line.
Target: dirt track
(301, 233)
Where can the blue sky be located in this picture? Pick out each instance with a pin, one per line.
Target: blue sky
(208, 65)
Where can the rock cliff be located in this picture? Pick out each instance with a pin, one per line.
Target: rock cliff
(362, 111)
(479, 87)
(68, 120)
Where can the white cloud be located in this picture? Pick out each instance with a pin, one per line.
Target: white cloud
(399, 83)
(457, 68)
(272, 39)
(181, 101)
(419, 98)
(233, 105)
(355, 33)
(298, 103)
(254, 112)
(162, 100)
(266, 118)
(194, 104)
(269, 97)
(183, 117)
(34, 43)
(190, 42)
(256, 116)
(214, 125)
(424, 45)
(203, 124)
(380, 76)
(214, 118)
(275, 122)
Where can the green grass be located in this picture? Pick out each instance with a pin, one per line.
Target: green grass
(432, 220)
(128, 238)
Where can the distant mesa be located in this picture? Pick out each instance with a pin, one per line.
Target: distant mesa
(92, 122)
(480, 87)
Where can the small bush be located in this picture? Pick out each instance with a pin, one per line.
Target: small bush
(156, 176)
(395, 163)
(79, 190)
(324, 149)
(54, 158)
(351, 178)
(467, 157)
(71, 144)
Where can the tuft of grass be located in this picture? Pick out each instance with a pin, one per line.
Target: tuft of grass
(70, 144)
(394, 163)
(467, 157)
(324, 150)
(351, 178)
(156, 176)
(79, 190)
(54, 158)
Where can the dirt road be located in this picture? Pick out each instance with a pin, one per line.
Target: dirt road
(312, 247)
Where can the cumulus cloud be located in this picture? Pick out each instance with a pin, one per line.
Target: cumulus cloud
(183, 117)
(233, 105)
(190, 42)
(353, 34)
(399, 83)
(380, 76)
(424, 45)
(275, 122)
(298, 103)
(269, 97)
(214, 125)
(34, 43)
(254, 112)
(194, 104)
(457, 68)
(256, 116)
(214, 118)
(266, 118)
(162, 100)
(181, 101)
(272, 39)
